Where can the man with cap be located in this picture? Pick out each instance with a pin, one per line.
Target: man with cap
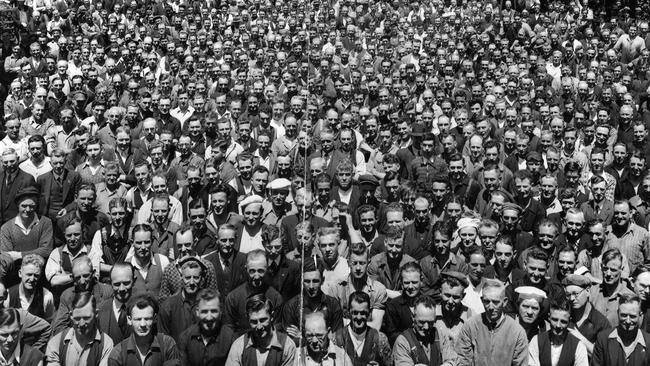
(585, 321)
(27, 232)
(510, 219)
(557, 346)
(275, 207)
(529, 310)
(12, 181)
(466, 236)
(535, 268)
(451, 313)
(249, 235)
(424, 344)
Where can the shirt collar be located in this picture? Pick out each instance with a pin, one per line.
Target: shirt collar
(19, 223)
(638, 341)
(275, 342)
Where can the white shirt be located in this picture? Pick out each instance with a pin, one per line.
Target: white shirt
(345, 196)
(20, 147)
(249, 243)
(175, 212)
(533, 354)
(34, 170)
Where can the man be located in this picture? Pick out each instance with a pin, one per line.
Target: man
(492, 338)
(160, 349)
(557, 341)
(359, 280)
(142, 191)
(27, 233)
(12, 349)
(585, 321)
(194, 191)
(37, 164)
(399, 316)
(504, 268)
(91, 219)
(623, 234)
(283, 273)
(221, 202)
(29, 294)
(592, 256)
(149, 266)
(529, 310)
(385, 267)
(303, 200)
(12, 180)
(276, 207)
(250, 234)
(229, 264)
(451, 313)
(318, 348)
(599, 207)
(84, 343)
(604, 297)
(184, 249)
(626, 344)
(235, 305)
(113, 240)
(313, 300)
(192, 345)
(57, 187)
(532, 211)
(440, 258)
(84, 279)
(262, 344)
(160, 187)
(112, 313)
(423, 344)
(177, 311)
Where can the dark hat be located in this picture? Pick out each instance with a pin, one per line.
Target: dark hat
(534, 156)
(457, 275)
(418, 129)
(368, 179)
(511, 206)
(27, 192)
(577, 280)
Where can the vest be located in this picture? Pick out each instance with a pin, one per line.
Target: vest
(66, 262)
(274, 358)
(35, 308)
(567, 355)
(154, 278)
(417, 351)
(94, 354)
(138, 200)
(370, 347)
(56, 197)
(114, 250)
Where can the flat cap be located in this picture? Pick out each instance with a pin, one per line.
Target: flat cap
(191, 258)
(457, 275)
(534, 156)
(27, 192)
(368, 179)
(577, 280)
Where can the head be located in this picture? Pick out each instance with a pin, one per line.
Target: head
(494, 299)
(260, 317)
(122, 279)
(84, 314)
(256, 267)
(142, 312)
(30, 272)
(536, 264)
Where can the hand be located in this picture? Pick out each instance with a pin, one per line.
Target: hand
(293, 331)
(61, 213)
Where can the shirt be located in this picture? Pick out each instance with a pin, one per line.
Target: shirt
(162, 346)
(634, 244)
(76, 354)
(335, 356)
(237, 349)
(20, 146)
(25, 302)
(480, 344)
(249, 243)
(28, 229)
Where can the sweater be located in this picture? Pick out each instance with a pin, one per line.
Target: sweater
(38, 241)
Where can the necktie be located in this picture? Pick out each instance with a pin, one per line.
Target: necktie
(121, 321)
(273, 267)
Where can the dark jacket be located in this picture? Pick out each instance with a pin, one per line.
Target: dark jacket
(71, 184)
(609, 352)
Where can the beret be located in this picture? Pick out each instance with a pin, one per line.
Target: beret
(26, 192)
(368, 179)
(457, 275)
(576, 280)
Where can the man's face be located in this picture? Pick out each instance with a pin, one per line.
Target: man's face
(504, 254)
(142, 245)
(395, 219)
(252, 214)
(598, 191)
(9, 337)
(245, 168)
(312, 282)
(358, 266)
(256, 269)
(29, 276)
(529, 310)
(83, 320)
(523, 187)
(536, 270)
(612, 271)
(493, 301)
(208, 314)
(629, 315)
(359, 315)
(93, 151)
(642, 286)
(621, 215)
(344, 179)
(259, 181)
(226, 242)
(142, 320)
(122, 283)
(546, 237)
(451, 298)
(85, 200)
(316, 333)
(477, 265)
(566, 262)
(574, 224)
(492, 179)
(394, 249)
(191, 280)
(424, 319)
(197, 218)
(367, 221)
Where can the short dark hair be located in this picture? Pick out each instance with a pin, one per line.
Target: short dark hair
(143, 301)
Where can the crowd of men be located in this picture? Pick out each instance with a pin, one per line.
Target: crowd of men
(344, 182)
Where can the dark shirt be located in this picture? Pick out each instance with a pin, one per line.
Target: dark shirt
(196, 353)
(329, 305)
(177, 313)
(235, 305)
(163, 352)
